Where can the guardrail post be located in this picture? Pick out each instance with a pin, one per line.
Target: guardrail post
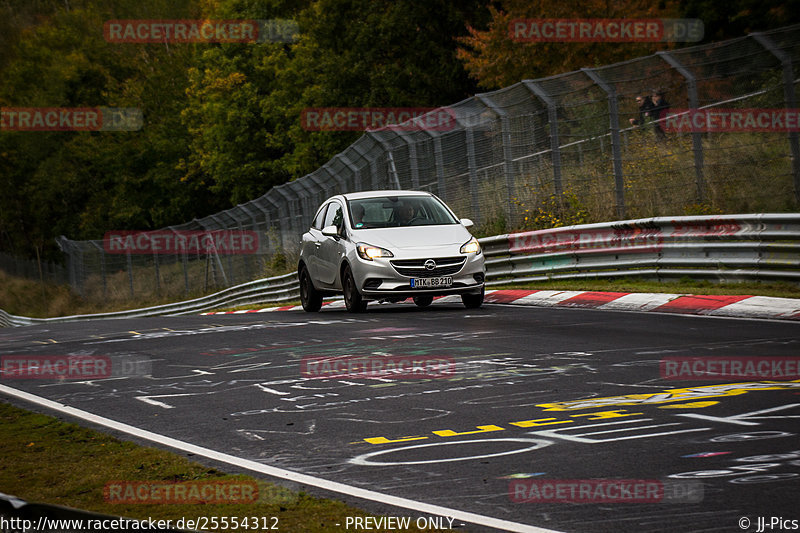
(616, 148)
(552, 119)
(697, 137)
(790, 100)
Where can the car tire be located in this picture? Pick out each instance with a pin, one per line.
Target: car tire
(423, 301)
(473, 301)
(310, 297)
(352, 298)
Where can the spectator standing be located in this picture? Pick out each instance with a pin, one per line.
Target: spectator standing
(658, 112)
(645, 105)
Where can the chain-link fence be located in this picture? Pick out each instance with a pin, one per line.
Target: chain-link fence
(540, 153)
(30, 269)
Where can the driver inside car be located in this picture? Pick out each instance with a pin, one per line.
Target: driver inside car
(404, 214)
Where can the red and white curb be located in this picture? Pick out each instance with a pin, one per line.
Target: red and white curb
(742, 306)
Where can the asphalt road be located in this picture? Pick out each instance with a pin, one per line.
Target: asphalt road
(531, 398)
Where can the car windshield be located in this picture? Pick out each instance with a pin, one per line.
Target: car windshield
(398, 211)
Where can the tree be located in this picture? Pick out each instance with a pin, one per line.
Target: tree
(495, 60)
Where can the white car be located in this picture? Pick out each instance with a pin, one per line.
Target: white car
(389, 245)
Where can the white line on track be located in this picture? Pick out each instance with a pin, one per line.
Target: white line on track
(305, 479)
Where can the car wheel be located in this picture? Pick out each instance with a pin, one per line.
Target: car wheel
(310, 297)
(423, 301)
(472, 301)
(352, 298)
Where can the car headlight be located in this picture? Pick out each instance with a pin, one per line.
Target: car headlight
(472, 246)
(369, 252)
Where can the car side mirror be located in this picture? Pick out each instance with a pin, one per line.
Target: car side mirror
(330, 231)
(467, 223)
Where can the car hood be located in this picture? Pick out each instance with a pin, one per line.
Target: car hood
(414, 237)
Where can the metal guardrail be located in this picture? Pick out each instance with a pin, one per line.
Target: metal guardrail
(724, 247)
(268, 290)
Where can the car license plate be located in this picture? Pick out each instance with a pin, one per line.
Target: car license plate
(431, 283)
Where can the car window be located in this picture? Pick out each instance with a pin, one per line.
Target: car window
(334, 216)
(318, 220)
(393, 211)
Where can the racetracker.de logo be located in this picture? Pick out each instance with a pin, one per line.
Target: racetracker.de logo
(604, 491)
(200, 31)
(728, 120)
(187, 492)
(55, 366)
(228, 242)
(605, 30)
(374, 118)
(731, 368)
(70, 118)
(384, 367)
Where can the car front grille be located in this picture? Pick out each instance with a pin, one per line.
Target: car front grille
(415, 268)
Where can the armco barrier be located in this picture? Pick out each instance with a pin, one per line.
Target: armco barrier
(276, 289)
(725, 247)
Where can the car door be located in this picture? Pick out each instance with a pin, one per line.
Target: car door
(313, 242)
(330, 249)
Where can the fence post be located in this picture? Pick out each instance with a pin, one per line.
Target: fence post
(229, 274)
(616, 148)
(353, 185)
(184, 260)
(412, 159)
(790, 101)
(508, 162)
(472, 168)
(102, 265)
(292, 212)
(552, 118)
(130, 272)
(697, 137)
(363, 155)
(281, 220)
(339, 180)
(389, 156)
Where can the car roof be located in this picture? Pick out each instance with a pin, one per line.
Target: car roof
(388, 192)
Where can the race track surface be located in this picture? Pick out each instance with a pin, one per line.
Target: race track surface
(532, 395)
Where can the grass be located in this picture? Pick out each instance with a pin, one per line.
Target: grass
(45, 460)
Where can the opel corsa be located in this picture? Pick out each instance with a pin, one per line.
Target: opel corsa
(389, 246)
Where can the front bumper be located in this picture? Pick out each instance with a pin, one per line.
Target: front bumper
(379, 278)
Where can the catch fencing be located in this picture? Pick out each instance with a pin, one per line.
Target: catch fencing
(35, 270)
(758, 247)
(541, 153)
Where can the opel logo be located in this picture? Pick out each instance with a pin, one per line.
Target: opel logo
(430, 264)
